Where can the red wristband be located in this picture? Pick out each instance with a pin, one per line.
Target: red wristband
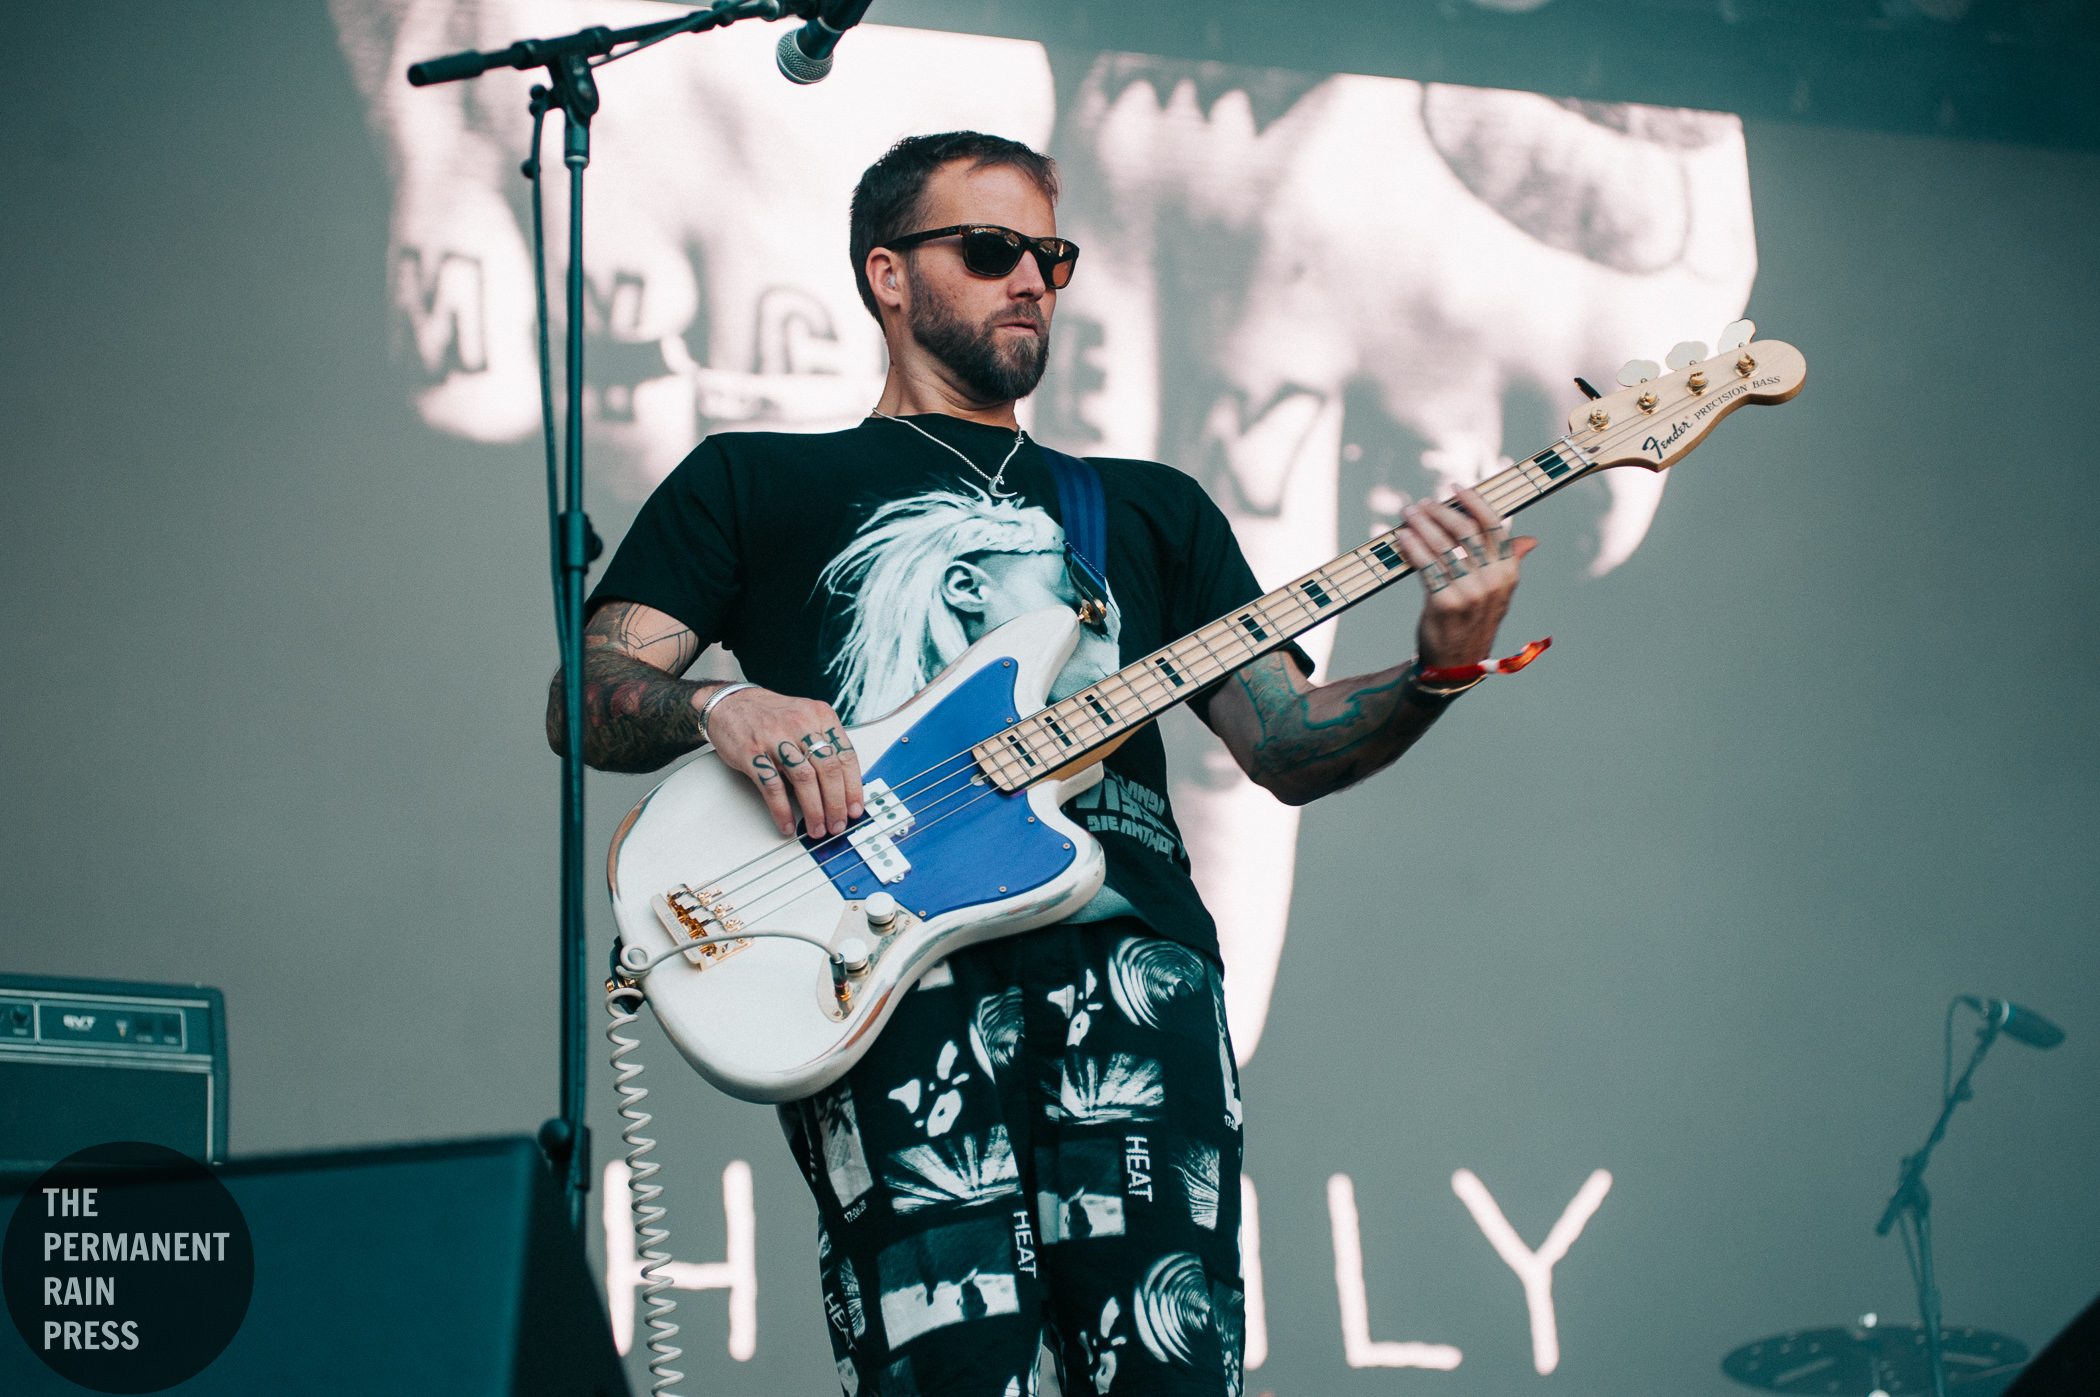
(1461, 674)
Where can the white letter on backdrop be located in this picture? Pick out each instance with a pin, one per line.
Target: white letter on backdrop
(1357, 1346)
(1533, 1268)
(1250, 1273)
(736, 1273)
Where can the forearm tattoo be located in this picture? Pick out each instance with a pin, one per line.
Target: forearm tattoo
(636, 715)
(1301, 754)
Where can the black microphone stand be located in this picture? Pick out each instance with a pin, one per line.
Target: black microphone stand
(571, 90)
(1912, 1200)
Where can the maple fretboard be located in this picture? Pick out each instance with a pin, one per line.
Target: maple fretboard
(1064, 734)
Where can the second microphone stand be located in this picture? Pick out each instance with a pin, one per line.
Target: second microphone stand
(1912, 1202)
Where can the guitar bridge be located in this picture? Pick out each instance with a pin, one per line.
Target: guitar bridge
(691, 914)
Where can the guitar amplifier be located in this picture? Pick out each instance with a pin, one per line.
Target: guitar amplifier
(85, 1062)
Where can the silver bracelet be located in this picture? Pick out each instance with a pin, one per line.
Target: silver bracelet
(712, 699)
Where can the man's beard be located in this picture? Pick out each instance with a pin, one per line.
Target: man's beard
(992, 372)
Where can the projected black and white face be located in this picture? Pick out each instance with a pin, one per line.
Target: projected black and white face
(1324, 296)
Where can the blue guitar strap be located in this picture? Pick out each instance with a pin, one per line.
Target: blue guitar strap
(1083, 508)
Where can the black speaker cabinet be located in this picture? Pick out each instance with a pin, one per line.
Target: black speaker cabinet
(84, 1062)
(441, 1269)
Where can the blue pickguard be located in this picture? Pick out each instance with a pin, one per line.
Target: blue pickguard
(970, 844)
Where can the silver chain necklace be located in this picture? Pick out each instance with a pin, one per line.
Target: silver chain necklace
(991, 481)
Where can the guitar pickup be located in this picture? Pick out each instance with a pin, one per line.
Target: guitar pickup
(874, 839)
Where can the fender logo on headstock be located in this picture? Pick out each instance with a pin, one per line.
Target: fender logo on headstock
(1661, 445)
(1768, 371)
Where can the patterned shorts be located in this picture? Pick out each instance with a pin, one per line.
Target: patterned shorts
(1035, 1173)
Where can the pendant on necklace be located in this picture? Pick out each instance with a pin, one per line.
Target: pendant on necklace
(992, 480)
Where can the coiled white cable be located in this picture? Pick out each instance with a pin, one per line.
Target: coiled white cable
(624, 1003)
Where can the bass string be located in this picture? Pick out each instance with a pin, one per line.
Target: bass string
(922, 826)
(1632, 427)
(1516, 488)
(840, 845)
(819, 871)
(1352, 566)
(822, 878)
(1517, 491)
(901, 794)
(748, 891)
(1518, 482)
(1143, 681)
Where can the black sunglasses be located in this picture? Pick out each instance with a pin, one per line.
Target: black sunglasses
(989, 250)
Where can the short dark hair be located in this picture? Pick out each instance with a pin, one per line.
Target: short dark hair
(886, 202)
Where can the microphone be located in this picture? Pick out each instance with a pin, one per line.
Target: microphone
(804, 54)
(2016, 1021)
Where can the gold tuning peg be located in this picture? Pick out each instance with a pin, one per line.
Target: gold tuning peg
(1635, 372)
(1738, 334)
(1685, 354)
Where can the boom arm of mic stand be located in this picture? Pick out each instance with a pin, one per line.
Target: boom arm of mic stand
(1913, 1180)
(597, 40)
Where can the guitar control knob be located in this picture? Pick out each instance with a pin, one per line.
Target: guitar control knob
(881, 909)
(854, 952)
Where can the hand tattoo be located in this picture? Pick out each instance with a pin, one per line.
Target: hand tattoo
(790, 754)
(763, 765)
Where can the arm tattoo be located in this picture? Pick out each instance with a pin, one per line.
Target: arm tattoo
(1313, 743)
(642, 634)
(637, 715)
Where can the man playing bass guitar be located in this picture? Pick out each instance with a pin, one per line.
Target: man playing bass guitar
(1036, 1165)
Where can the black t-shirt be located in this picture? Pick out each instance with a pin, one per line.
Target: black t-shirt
(853, 566)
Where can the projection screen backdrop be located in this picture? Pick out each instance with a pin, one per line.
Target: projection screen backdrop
(1289, 280)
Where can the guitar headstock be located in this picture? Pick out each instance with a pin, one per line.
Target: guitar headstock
(1662, 415)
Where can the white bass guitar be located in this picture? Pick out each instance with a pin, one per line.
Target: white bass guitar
(772, 963)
